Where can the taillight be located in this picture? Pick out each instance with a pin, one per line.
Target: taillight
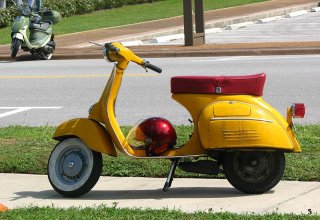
(298, 110)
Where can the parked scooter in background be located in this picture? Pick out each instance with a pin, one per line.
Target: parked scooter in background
(235, 132)
(34, 33)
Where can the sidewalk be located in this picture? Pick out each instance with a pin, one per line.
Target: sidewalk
(188, 195)
(75, 45)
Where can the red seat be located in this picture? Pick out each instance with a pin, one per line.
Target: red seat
(230, 85)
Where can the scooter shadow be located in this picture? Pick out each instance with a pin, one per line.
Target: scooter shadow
(21, 58)
(179, 192)
(25, 57)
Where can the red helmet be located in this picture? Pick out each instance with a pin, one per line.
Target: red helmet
(157, 134)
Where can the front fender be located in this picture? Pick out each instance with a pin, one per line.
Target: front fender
(93, 134)
(18, 36)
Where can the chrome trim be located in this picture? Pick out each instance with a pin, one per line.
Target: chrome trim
(246, 119)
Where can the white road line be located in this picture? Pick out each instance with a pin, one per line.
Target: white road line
(255, 31)
(273, 36)
(21, 109)
(73, 76)
(226, 59)
(254, 58)
(298, 23)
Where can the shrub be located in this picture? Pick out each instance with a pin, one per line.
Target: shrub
(7, 15)
(70, 7)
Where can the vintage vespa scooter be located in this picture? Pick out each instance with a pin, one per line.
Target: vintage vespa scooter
(235, 132)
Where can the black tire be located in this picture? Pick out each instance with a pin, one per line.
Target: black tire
(254, 172)
(15, 47)
(73, 168)
(47, 54)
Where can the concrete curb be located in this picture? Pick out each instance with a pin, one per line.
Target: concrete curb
(317, 9)
(239, 25)
(267, 20)
(167, 38)
(156, 52)
(296, 14)
(202, 53)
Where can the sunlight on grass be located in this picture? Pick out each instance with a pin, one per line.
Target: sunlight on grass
(26, 150)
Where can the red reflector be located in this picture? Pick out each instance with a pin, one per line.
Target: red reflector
(298, 110)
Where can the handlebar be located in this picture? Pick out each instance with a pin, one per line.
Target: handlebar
(152, 67)
(127, 54)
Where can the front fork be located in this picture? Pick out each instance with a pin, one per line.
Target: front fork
(18, 36)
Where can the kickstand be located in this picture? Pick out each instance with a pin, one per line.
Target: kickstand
(173, 167)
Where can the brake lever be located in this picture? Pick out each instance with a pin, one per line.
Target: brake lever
(145, 68)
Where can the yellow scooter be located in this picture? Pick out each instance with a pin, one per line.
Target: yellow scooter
(235, 132)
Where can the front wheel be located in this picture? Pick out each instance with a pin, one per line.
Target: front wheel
(254, 171)
(15, 47)
(73, 168)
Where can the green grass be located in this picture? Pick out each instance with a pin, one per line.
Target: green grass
(305, 166)
(26, 150)
(102, 212)
(127, 15)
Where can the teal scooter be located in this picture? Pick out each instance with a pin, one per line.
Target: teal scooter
(34, 33)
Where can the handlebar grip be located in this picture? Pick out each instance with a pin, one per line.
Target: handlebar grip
(153, 67)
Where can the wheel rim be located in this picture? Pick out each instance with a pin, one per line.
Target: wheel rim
(70, 165)
(253, 166)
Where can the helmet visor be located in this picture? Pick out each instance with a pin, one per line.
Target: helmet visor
(137, 139)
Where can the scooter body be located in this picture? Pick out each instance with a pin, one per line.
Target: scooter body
(30, 33)
(237, 121)
(242, 135)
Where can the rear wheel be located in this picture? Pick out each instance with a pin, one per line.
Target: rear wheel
(49, 49)
(15, 47)
(73, 168)
(47, 56)
(254, 171)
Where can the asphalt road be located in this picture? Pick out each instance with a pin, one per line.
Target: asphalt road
(49, 92)
(301, 28)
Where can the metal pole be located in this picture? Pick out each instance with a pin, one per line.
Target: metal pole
(199, 20)
(188, 22)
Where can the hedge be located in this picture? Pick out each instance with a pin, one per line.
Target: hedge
(71, 7)
(7, 15)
